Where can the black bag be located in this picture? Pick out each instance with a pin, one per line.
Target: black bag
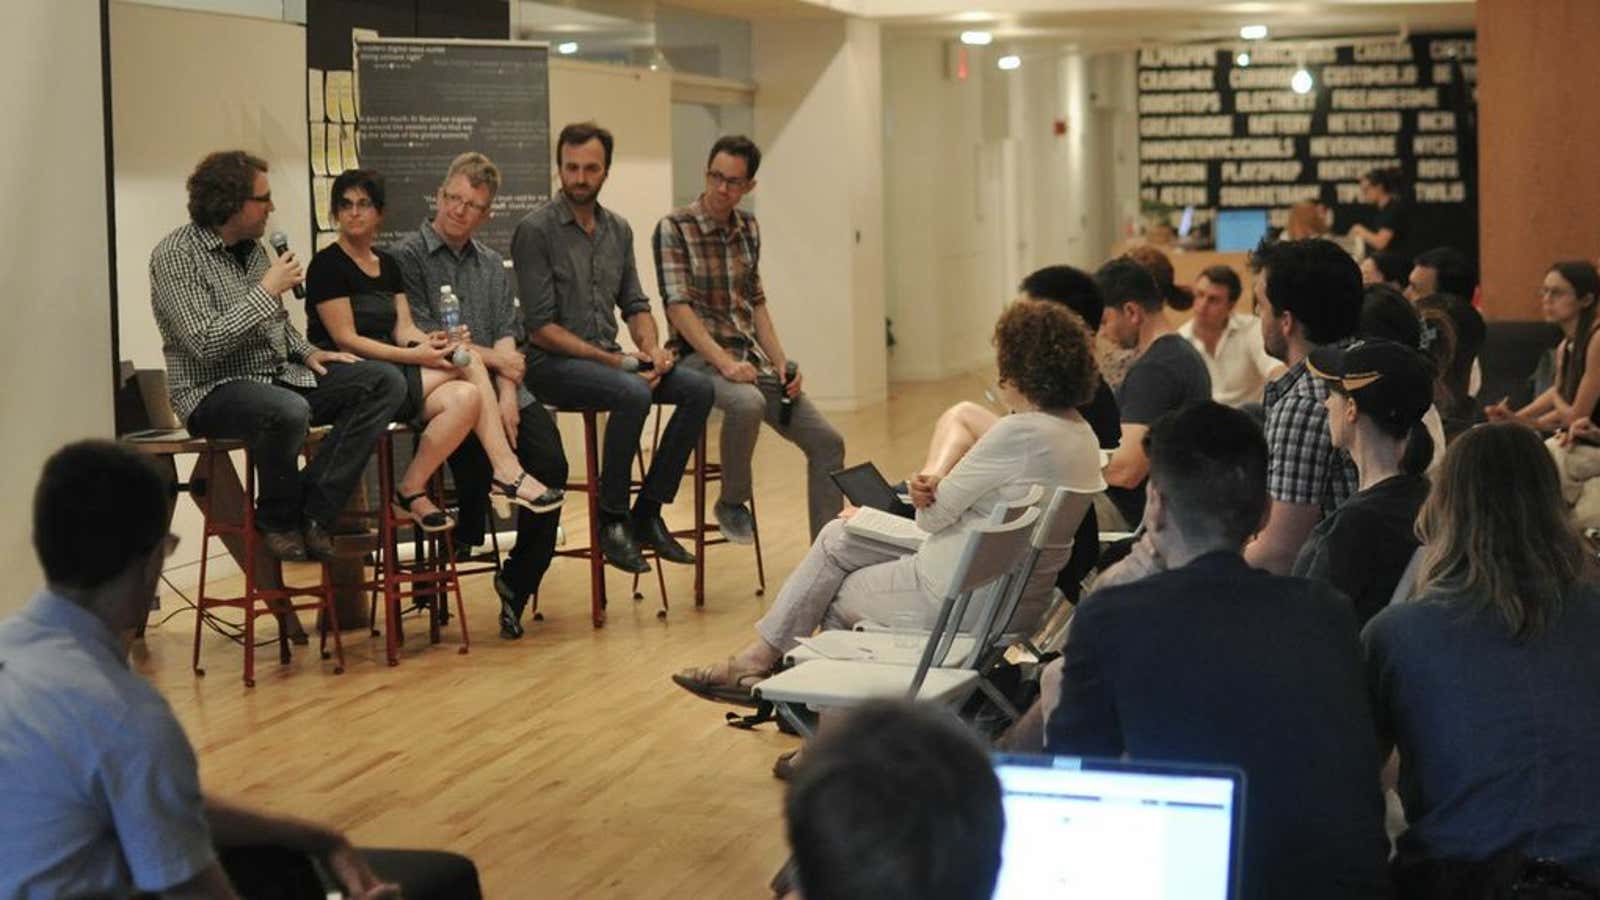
(1505, 876)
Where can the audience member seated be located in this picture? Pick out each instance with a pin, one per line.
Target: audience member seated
(1377, 394)
(103, 797)
(356, 302)
(960, 426)
(1229, 342)
(1568, 295)
(1386, 315)
(1307, 219)
(1215, 662)
(1485, 684)
(575, 267)
(1046, 371)
(1385, 268)
(1167, 374)
(895, 802)
(1446, 279)
(1308, 294)
(1453, 345)
(238, 368)
(1159, 265)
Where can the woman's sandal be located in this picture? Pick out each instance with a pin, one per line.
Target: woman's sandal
(551, 499)
(437, 520)
(700, 683)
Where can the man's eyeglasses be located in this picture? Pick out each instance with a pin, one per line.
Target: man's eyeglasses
(718, 179)
(454, 200)
(361, 205)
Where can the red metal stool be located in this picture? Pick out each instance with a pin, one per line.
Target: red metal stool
(590, 486)
(258, 599)
(430, 577)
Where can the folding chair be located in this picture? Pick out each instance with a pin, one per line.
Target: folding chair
(992, 553)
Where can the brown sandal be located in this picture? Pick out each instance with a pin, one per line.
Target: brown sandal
(702, 683)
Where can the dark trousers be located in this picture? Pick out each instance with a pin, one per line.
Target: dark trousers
(357, 399)
(539, 450)
(585, 384)
(274, 873)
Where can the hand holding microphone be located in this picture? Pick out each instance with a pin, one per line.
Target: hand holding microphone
(786, 402)
(285, 271)
(631, 363)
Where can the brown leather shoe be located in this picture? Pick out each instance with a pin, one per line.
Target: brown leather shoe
(285, 545)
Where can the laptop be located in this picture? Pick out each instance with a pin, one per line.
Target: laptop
(865, 486)
(1098, 828)
(1239, 229)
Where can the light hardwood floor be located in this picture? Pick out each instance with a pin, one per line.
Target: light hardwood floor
(565, 764)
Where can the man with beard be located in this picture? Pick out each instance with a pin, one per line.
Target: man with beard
(574, 262)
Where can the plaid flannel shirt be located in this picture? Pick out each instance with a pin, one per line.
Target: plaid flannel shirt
(1303, 466)
(714, 269)
(218, 324)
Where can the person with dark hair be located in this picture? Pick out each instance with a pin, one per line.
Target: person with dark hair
(708, 258)
(1215, 662)
(1228, 342)
(1386, 268)
(356, 302)
(1390, 230)
(1308, 294)
(446, 252)
(1446, 275)
(1569, 296)
(1378, 392)
(574, 263)
(1046, 371)
(1166, 374)
(896, 801)
(103, 797)
(1159, 265)
(1485, 683)
(1386, 315)
(238, 368)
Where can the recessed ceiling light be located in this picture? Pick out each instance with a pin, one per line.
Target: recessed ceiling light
(567, 48)
(1301, 82)
(1253, 32)
(976, 38)
(1242, 60)
(1009, 62)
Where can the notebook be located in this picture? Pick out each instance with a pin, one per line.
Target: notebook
(886, 527)
(1080, 827)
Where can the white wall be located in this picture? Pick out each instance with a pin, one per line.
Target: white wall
(818, 114)
(57, 367)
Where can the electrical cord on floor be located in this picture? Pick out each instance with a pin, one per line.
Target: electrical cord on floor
(216, 623)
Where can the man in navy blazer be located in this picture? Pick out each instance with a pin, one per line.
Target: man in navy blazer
(1212, 661)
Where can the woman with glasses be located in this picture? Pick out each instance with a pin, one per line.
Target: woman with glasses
(355, 302)
(1568, 296)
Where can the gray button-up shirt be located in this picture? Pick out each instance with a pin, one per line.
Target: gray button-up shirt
(567, 277)
(102, 795)
(477, 276)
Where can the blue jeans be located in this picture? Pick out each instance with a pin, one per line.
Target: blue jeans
(584, 384)
(357, 399)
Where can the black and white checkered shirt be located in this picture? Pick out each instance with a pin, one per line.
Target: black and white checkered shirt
(217, 323)
(1303, 466)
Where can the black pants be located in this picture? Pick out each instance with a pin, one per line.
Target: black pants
(274, 873)
(539, 450)
(357, 399)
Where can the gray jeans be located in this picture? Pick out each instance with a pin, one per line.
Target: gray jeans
(744, 407)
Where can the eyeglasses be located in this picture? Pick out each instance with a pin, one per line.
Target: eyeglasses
(454, 200)
(361, 205)
(264, 198)
(718, 179)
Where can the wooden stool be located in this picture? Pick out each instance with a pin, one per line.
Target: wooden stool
(258, 599)
(432, 572)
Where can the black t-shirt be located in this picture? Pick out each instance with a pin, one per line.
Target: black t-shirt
(334, 274)
(1362, 547)
(1396, 216)
(1169, 375)
(1102, 415)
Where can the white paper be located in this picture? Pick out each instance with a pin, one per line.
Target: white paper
(316, 107)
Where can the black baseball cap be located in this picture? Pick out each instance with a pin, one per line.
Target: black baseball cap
(1389, 381)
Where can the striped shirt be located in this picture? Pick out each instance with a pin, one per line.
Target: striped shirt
(715, 269)
(218, 324)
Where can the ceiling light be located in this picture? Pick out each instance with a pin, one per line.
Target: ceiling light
(1242, 60)
(976, 38)
(1301, 81)
(1009, 62)
(567, 48)
(1253, 32)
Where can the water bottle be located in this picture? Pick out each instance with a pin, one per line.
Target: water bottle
(450, 317)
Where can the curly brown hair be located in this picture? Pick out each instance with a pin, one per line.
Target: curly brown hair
(220, 185)
(1046, 352)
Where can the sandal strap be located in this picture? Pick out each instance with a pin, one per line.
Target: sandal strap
(407, 501)
(509, 489)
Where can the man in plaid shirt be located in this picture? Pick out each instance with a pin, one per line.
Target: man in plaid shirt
(707, 264)
(1308, 294)
(237, 367)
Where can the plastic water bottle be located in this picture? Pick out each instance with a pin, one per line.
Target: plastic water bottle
(450, 316)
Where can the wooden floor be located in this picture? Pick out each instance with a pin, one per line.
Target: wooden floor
(565, 764)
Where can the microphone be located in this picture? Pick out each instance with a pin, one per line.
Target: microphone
(280, 246)
(633, 364)
(786, 402)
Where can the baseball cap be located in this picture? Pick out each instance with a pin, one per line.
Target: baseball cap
(1389, 381)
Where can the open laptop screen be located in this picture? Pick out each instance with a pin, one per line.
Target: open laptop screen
(1100, 828)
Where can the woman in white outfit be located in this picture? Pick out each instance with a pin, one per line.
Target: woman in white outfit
(1044, 352)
